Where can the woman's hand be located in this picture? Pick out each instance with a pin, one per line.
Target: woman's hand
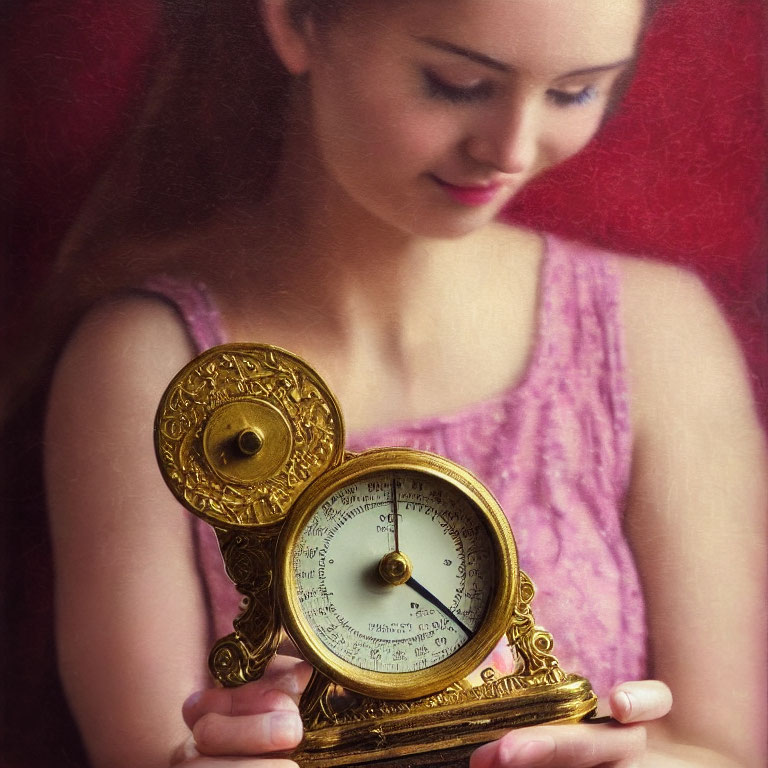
(260, 718)
(582, 745)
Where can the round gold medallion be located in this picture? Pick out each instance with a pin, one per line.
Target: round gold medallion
(247, 441)
(242, 430)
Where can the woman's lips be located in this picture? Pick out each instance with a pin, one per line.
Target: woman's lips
(476, 194)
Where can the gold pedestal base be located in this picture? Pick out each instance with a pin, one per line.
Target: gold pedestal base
(445, 735)
(457, 757)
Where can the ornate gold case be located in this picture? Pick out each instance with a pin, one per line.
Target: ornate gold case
(249, 438)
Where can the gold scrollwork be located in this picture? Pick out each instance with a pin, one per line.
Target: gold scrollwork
(531, 644)
(315, 705)
(242, 656)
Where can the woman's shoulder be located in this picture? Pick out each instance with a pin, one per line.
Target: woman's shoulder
(145, 293)
(683, 359)
(124, 350)
(132, 320)
(668, 309)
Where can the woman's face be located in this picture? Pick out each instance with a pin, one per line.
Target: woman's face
(432, 114)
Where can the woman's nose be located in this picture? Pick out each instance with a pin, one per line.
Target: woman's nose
(506, 140)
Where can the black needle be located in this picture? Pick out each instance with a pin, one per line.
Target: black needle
(412, 583)
(394, 512)
(427, 595)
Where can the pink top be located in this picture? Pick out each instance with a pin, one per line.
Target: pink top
(555, 451)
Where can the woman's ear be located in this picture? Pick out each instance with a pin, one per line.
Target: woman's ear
(289, 40)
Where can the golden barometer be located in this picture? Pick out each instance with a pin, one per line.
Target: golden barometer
(394, 571)
(398, 573)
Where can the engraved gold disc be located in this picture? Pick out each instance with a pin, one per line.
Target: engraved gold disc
(242, 430)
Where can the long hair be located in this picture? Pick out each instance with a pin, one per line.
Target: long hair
(208, 135)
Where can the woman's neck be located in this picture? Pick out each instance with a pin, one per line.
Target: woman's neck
(334, 276)
(388, 329)
(387, 317)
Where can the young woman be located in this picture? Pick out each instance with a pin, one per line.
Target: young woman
(602, 398)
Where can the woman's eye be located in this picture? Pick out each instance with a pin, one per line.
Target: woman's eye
(572, 98)
(437, 88)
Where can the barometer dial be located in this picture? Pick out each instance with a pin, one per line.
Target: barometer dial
(397, 573)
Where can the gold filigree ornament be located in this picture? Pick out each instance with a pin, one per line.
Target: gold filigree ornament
(394, 571)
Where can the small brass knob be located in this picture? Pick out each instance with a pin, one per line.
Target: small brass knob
(249, 441)
(395, 568)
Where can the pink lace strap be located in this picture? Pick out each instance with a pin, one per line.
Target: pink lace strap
(193, 303)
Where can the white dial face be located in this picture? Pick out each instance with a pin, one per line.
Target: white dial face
(390, 612)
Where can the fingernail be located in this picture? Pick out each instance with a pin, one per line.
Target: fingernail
(532, 752)
(285, 729)
(189, 750)
(192, 700)
(624, 705)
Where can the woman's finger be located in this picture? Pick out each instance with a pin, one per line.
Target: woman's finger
(261, 734)
(188, 756)
(284, 674)
(562, 746)
(288, 674)
(640, 701)
(290, 666)
(251, 699)
(239, 762)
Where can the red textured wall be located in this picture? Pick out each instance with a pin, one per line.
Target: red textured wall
(74, 74)
(679, 173)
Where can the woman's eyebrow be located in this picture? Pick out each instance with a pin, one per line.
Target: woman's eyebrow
(599, 68)
(480, 58)
(500, 66)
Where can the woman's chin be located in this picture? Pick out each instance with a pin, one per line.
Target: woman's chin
(453, 225)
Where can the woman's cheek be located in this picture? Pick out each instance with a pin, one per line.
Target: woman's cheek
(571, 134)
(410, 142)
(423, 140)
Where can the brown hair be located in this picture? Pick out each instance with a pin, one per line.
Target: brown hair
(207, 134)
